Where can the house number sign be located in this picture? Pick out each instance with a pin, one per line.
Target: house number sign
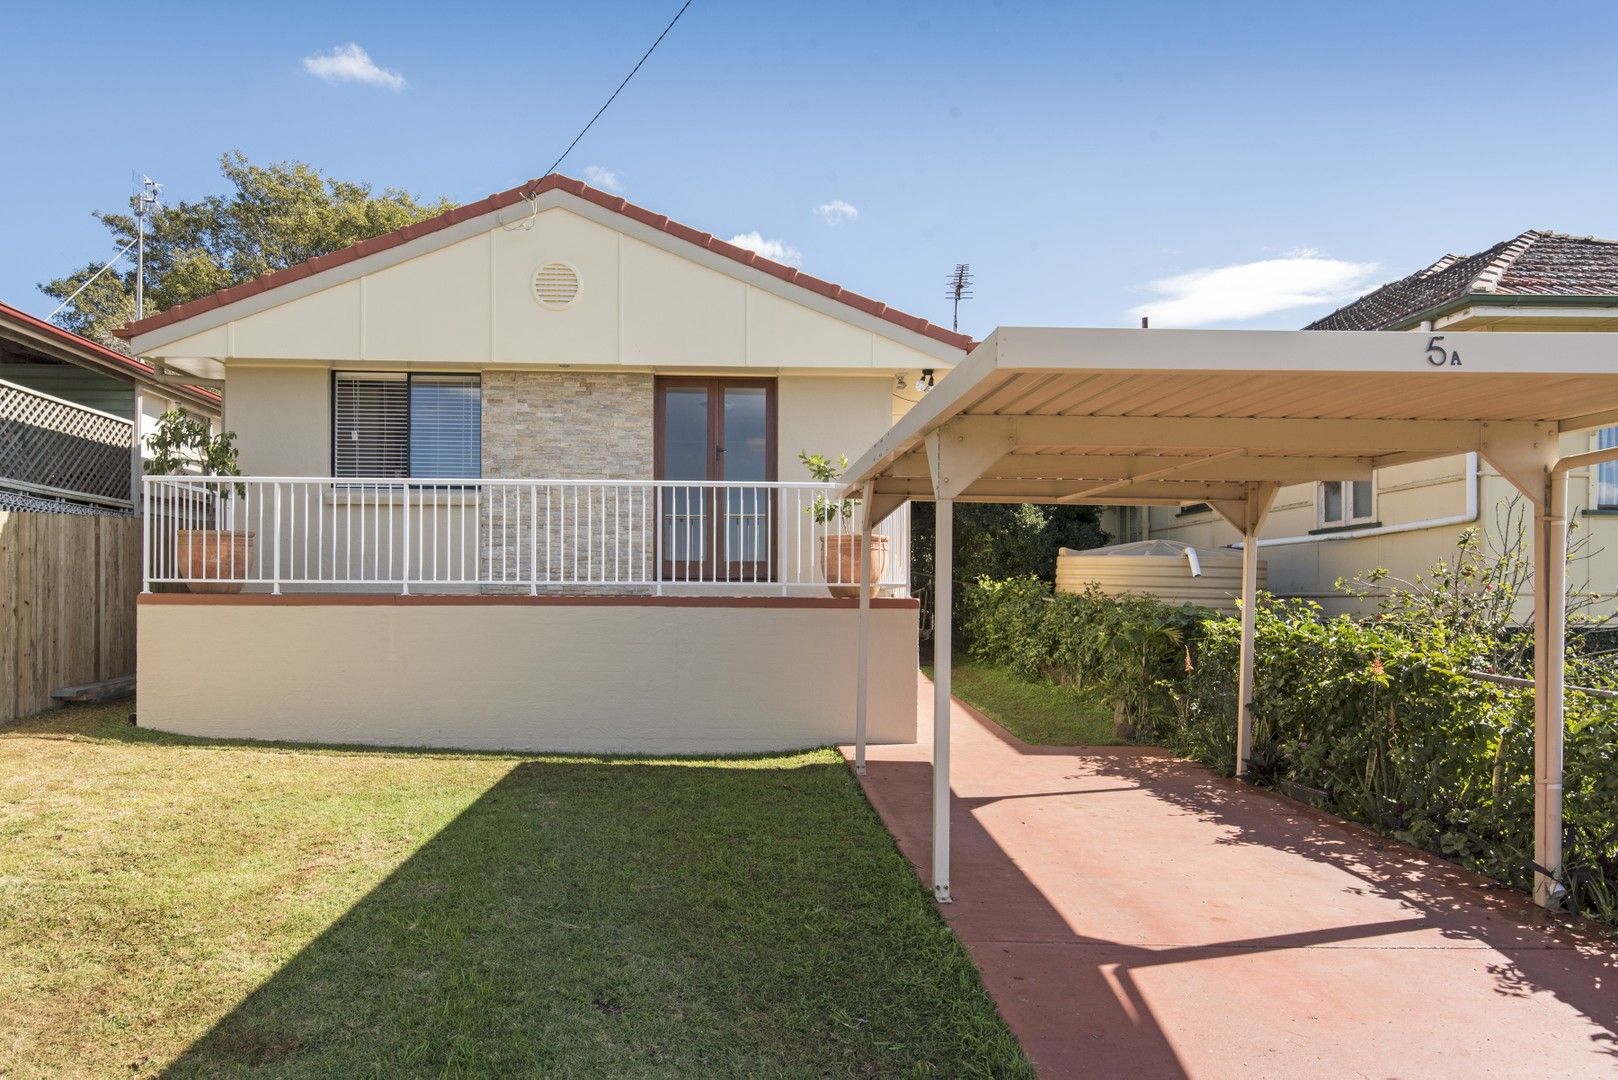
(1438, 356)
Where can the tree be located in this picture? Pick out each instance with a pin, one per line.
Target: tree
(999, 540)
(273, 217)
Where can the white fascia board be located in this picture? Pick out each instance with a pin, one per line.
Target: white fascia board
(1371, 352)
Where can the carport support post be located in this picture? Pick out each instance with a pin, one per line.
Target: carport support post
(1244, 681)
(1247, 514)
(943, 629)
(1550, 652)
(863, 693)
(1529, 459)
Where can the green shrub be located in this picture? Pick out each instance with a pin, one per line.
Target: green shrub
(1378, 715)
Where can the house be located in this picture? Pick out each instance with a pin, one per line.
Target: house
(526, 475)
(68, 410)
(1408, 517)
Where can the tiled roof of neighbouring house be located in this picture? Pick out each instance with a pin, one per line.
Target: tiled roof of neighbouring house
(508, 198)
(1535, 263)
(98, 354)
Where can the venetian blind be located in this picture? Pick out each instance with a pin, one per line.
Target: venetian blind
(446, 425)
(371, 425)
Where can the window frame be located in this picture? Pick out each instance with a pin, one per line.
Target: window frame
(1604, 477)
(1349, 519)
(409, 421)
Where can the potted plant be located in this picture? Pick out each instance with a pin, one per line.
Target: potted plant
(183, 445)
(839, 550)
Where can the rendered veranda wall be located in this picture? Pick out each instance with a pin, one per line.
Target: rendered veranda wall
(707, 676)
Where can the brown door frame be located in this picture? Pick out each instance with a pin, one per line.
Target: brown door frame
(710, 568)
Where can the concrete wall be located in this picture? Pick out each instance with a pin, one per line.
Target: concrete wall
(687, 677)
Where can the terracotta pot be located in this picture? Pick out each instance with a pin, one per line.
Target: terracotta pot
(840, 561)
(215, 554)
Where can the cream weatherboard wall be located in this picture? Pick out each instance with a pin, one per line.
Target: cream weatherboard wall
(1405, 495)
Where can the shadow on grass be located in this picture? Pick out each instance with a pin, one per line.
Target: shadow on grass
(596, 918)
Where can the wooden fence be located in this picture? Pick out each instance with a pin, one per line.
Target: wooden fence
(68, 584)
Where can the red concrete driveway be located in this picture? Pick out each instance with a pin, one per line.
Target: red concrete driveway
(1135, 915)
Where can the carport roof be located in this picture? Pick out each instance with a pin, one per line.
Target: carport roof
(1040, 414)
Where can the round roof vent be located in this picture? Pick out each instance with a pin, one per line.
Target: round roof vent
(556, 285)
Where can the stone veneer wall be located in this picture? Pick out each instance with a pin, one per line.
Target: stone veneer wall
(566, 425)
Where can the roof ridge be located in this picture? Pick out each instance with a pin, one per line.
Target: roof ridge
(529, 190)
(1443, 262)
(1488, 279)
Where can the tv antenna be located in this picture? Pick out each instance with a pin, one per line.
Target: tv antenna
(145, 202)
(960, 288)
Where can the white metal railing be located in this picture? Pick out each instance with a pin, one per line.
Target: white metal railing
(224, 533)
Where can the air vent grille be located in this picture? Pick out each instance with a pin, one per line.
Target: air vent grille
(556, 285)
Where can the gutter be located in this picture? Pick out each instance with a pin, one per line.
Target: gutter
(1466, 517)
(1424, 319)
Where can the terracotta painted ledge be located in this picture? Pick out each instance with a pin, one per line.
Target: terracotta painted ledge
(501, 600)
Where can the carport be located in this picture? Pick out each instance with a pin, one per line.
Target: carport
(1225, 417)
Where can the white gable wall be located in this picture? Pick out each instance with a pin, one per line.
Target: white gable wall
(648, 301)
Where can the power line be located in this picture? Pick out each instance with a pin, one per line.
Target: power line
(620, 89)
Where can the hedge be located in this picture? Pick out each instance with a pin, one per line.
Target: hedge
(1376, 717)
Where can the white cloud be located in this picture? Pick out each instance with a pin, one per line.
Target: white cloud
(1299, 278)
(779, 250)
(352, 64)
(603, 178)
(837, 211)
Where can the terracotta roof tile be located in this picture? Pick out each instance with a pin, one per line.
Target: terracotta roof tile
(1534, 263)
(500, 200)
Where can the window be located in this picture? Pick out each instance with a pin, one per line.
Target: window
(1607, 473)
(1346, 502)
(389, 424)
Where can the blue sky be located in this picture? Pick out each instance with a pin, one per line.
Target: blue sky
(1217, 164)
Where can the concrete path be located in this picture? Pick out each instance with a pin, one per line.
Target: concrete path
(1135, 915)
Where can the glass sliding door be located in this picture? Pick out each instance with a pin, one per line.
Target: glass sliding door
(717, 435)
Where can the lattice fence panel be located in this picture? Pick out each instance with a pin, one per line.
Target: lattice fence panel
(54, 443)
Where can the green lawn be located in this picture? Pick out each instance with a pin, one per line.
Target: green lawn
(197, 908)
(1040, 713)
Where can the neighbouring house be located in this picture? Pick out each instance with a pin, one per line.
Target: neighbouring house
(526, 475)
(1408, 517)
(69, 439)
(72, 413)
